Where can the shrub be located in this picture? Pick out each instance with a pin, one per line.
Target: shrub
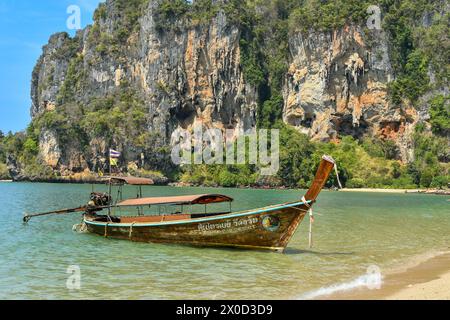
(100, 12)
(414, 81)
(74, 81)
(440, 115)
(227, 179)
(326, 15)
(31, 147)
(251, 63)
(51, 120)
(356, 183)
(271, 111)
(296, 157)
(202, 11)
(440, 182)
(427, 150)
(37, 171)
(4, 173)
(168, 12)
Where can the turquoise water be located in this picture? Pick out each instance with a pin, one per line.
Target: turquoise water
(352, 232)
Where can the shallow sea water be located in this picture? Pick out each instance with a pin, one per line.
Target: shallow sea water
(353, 231)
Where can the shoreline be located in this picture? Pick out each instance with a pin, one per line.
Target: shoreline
(427, 280)
(379, 190)
(98, 180)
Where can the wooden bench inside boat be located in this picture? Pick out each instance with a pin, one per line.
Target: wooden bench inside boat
(142, 203)
(157, 218)
(173, 217)
(150, 219)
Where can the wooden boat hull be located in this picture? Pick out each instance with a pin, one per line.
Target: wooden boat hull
(268, 228)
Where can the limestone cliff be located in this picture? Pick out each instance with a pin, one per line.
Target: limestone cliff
(181, 76)
(142, 80)
(338, 85)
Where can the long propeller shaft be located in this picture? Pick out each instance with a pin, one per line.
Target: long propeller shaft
(27, 217)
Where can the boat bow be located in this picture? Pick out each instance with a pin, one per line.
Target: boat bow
(323, 173)
(269, 228)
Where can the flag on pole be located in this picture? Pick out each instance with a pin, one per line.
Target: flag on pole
(113, 162)
(113, 156)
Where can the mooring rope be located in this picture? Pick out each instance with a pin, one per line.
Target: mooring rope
(310, 211)
(337, 176)
(131, 230)
(311, 221)
(106, 230)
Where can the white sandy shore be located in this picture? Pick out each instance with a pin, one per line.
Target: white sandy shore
(438, 289)
(377, 190)
(422, 191)
(428, 280)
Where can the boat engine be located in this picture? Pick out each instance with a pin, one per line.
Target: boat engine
(99, 199)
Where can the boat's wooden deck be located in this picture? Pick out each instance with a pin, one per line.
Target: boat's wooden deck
(155, 218)
(145, 219)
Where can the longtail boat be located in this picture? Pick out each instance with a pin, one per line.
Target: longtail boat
(267, 228)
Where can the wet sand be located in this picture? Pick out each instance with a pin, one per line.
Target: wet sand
(429, 280)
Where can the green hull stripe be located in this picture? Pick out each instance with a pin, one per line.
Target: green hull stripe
(234, 215)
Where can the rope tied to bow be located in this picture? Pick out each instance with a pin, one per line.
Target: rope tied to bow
(311, 221)
(337, 176)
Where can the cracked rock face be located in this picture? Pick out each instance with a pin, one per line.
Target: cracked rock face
(184, 76)
(337, 85)
(193, 76)
(49, 74)
(49, 149)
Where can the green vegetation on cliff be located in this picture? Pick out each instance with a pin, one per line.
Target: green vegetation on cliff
(4, 174)
(432, 155)
(440, 115)
(23, 146)
(265, 26)
(112, 42)
(360, 164)
(419, 53)
(420, 46)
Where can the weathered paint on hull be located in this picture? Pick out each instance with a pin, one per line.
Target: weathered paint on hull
(267, 230)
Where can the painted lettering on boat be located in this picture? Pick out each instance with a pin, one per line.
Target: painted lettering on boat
(251, 221)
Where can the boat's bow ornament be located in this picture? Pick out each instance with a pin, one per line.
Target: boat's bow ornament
(323, 173)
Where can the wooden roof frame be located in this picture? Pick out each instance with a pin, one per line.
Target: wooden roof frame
(176, 200)
(134, 181)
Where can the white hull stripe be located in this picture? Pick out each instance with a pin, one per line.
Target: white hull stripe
(233, 215)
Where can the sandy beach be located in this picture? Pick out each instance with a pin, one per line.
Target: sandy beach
(422, 191)
(429, 280)
(376, 190)
(438, 289)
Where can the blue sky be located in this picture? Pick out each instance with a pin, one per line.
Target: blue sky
(25, 26)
